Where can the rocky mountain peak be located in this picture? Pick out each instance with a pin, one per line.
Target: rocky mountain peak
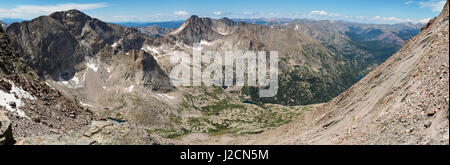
(195, 29)
(70, 15)
(198, 22)
(193, 18)
(208, 22)
(72, 19)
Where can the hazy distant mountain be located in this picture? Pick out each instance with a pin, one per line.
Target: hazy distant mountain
(264, 21)
(11, 20)
(167, 24)
(154, 30)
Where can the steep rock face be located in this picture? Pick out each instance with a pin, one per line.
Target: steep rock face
(141, 67)
(49, 48)
(404, 101)
(60, 45)
(33, 107)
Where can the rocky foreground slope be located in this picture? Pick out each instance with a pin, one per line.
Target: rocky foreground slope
(403, 101)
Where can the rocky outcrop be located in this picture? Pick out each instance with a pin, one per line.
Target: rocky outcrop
(6, 135)
(9, 63)
(142, 68)
(100, 133)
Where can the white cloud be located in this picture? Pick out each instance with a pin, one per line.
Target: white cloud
(31, 11)
(434, 5)
(394, 19)
(218, 13)
(408, 2)
(323, 13)
(157, 17)
(124, 17)
(397, 20)
(180, 13)
(252, 14)
(424, 20)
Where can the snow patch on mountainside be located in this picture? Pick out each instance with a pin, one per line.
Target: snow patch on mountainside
(85, 105)
(130, 88)
(114, 45)
(75, 82)
(205, 43)
(12, 100)
(149, 49)
(92, 66)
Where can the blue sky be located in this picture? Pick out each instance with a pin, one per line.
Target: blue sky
(366, 11)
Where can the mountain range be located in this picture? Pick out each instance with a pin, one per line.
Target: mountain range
(109, 84)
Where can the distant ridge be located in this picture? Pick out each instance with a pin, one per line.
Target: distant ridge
(165, 24)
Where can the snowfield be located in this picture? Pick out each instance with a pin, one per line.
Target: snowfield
(15, 96)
